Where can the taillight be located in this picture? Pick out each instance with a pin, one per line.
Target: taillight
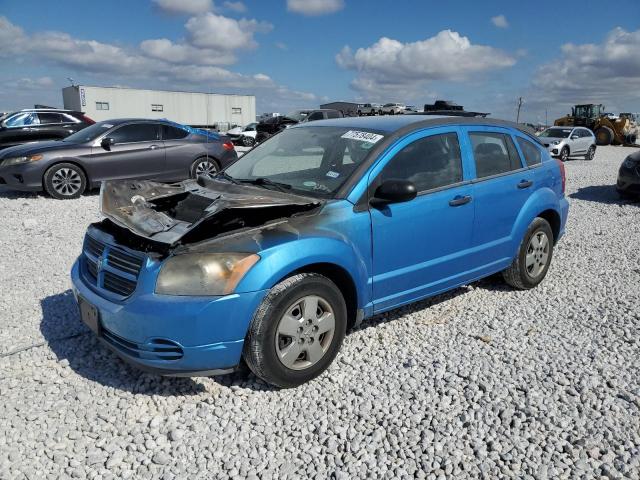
(228, 146)
(562, 174)
(87, 120)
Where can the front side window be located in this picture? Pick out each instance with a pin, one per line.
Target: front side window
(23, 119)
(314, 161)
(494, 154)
(136, 132)
(431, 162)
(531, 153)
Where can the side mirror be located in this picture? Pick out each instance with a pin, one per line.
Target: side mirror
(107, 143)
(394, 191)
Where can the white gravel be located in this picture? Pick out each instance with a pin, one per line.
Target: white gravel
(482, 382)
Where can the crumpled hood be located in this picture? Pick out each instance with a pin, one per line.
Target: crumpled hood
(166, 213)
(32, 148)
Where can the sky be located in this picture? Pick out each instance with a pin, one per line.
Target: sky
(301, 53)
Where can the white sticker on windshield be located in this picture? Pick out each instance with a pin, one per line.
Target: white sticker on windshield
(332, 174)
(363, 136)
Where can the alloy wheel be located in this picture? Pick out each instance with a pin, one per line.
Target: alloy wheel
(206, 168)
(66, 182)
(305, 332)
(537, 254)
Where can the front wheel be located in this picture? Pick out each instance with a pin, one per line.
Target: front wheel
(204, 167)
(590, 153)
(532, 262)
(248, 141)
(297, 330)
(564, 154)
(65, 181)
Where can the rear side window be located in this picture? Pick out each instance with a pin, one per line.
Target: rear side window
(531, 153)
(173, 133)
(137, 132)
(431, 162)
(494, 154)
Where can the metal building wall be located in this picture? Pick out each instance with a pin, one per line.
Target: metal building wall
(190, 108)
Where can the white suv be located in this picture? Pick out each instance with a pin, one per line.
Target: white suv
(393, 108)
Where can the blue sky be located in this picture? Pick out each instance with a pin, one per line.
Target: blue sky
(300, 53)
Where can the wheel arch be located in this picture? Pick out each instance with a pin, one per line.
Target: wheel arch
(72, 161)
(553, 217)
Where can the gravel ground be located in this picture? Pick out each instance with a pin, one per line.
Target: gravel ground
(481, 382)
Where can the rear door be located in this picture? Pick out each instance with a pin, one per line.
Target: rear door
(501, 187)
(138, 152)
(180, 152)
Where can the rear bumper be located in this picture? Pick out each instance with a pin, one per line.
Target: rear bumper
(564, 214)
(204, 335)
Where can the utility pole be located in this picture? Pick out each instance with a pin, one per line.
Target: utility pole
(519, 105)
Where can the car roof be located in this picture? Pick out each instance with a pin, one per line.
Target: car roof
(401, 124)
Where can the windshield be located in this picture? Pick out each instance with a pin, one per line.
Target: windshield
(556, 133)
(314, 161)
(90, 133)
(297, 115)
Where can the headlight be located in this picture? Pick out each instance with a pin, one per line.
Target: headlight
(556, 142)
(18, 160)
(201, 274)
(628, 163)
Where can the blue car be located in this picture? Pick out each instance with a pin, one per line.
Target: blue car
(323, 225)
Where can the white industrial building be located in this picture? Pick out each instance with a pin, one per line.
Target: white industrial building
(189, 108)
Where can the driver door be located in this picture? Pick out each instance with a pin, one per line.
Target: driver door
(422, 246)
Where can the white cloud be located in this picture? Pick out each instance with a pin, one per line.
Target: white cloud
(314, 7)
(32, 83)
(219, 32)
(188, 7)
(238, 7)
(182, 53)
(500, 21)
(389, 63)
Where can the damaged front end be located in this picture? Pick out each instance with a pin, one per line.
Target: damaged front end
(164, 216)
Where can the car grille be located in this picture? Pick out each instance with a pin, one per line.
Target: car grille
(155, 349)
(111, 268)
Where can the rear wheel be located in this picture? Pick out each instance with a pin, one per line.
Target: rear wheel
(532, 262)
(590, 153)
(604, 136)
(204, 167)
(297, 330)
(65, 181)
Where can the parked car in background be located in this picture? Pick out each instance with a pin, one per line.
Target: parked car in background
(628, 184)
(314, 230)
(33, 125)
(115, 149)
(245, 136)
(410, 109)
(393, 109)
(271, 126)
(565, 142)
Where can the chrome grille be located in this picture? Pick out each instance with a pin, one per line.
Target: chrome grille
(110, 267)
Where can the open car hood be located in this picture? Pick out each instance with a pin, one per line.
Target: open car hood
(169, 213)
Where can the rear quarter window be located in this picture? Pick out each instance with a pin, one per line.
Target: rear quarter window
(532, 154)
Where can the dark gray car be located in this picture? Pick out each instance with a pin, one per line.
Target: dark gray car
(115, 149)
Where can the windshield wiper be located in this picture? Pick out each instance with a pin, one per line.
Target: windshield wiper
(226, 176)
(283, 187)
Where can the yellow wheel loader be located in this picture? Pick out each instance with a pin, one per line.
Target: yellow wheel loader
(608, 130)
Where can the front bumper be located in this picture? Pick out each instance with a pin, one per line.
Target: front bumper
(629, 180)
(554, 150)
(204, 334)
(25, 176)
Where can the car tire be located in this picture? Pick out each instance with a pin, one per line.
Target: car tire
(262, 136)
(590, 153)
(65, 181)
(531, 264)
(285, 348)
(604, 136)
(564, 154)
(204, 166)
(248, 141)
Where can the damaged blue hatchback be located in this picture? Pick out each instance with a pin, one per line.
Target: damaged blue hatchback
(323, 225)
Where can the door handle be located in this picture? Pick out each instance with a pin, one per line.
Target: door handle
(457, 201)
(525, 184)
